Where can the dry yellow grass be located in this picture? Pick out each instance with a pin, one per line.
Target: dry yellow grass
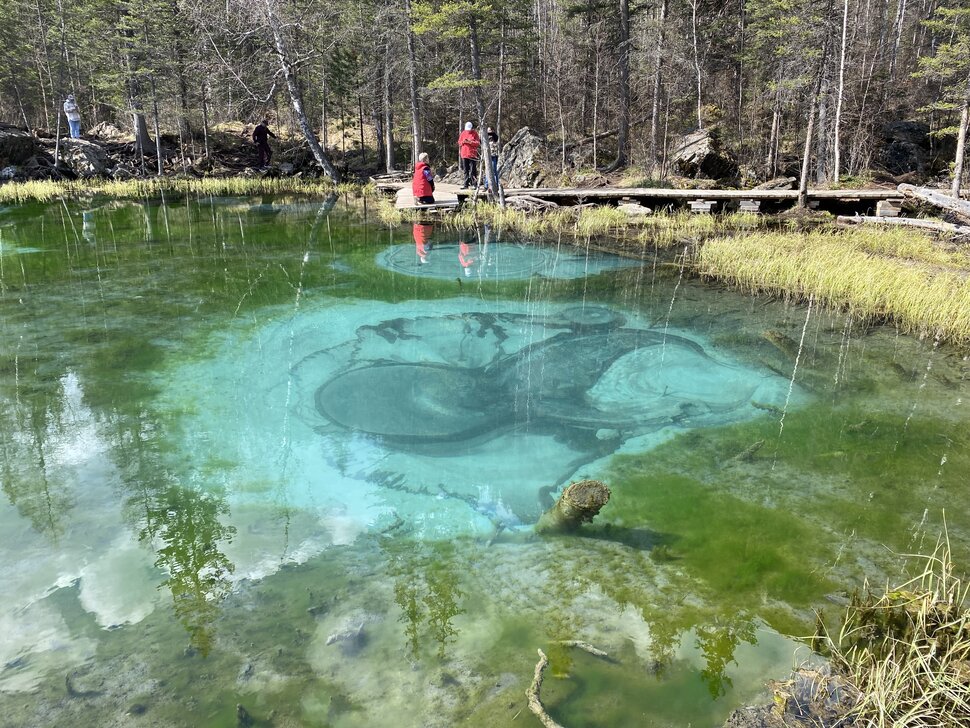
(903, 277)
(45, 191)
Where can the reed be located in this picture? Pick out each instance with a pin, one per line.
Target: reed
(45, 191)
(901, 277)
(908, 650)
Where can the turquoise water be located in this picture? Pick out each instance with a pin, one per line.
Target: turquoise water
(257, 452)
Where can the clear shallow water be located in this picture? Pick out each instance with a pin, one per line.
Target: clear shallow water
(244, 463)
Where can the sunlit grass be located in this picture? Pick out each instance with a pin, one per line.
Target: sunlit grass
(908, 651)
(46, 191)
(922, 288)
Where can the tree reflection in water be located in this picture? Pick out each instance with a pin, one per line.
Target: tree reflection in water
(426, 589)
(717, 641)
(186, 524)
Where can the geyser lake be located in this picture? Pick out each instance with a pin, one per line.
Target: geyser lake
(265, 452)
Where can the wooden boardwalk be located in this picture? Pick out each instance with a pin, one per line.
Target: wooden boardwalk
(844, 201)
(445, 196)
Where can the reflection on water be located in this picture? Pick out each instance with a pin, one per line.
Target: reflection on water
(436, 255)
(184, 529)
(244, 463)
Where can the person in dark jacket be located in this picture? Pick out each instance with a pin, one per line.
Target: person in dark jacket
(493, 152)
(422, 184)
(260, 136)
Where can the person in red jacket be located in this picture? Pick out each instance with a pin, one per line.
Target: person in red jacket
(422, 184)
(468, 146)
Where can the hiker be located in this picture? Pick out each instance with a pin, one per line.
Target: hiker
(422, 184)
(468, 146)
(73, 116)
(492, 138)
(260, 134)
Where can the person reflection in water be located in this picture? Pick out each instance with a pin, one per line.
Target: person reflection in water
(465, 257)
(422, 240)
(87, 226)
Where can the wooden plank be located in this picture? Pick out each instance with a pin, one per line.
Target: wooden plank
(702, 206)
(445, 196)
(889, 208)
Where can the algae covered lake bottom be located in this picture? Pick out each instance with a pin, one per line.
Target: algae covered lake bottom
(263, 452)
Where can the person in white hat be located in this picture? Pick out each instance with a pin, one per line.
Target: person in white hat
(73, 117)
(468, 148)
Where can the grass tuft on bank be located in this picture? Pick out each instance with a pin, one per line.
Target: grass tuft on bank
(908, 650)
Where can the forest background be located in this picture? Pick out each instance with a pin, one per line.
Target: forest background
(776, 79)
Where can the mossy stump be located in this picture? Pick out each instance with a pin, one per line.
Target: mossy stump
(578, 504)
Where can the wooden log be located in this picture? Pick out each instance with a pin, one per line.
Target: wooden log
(960, 208)
(939, 227)
(578, 504)
(532, 694)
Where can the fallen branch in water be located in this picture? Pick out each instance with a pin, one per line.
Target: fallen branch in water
(535, 704)
(532, 693)
(585, 646)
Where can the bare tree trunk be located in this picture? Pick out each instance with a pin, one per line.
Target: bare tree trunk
(296, 96)
(501, 83)
(961, 144)
(20, 103)
(820, 138)
(413, 89)
(771, 163)
(360, 121)
(837, 141)
(50, 76)
(158, 134)
(205, 118)
(697, 60)
(388, 113)
(323, 106)
(813, 109)
(493, 185)
(657, 72)
(623, 135)
(898, 27)
(741, 74)
(807, 153)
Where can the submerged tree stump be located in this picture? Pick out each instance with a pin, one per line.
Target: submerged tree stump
(578, 504)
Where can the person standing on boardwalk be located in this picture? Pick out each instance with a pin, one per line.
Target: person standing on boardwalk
(493, 151)
(73, 117)
(260, 136)
(422, 184)
(468, 147)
